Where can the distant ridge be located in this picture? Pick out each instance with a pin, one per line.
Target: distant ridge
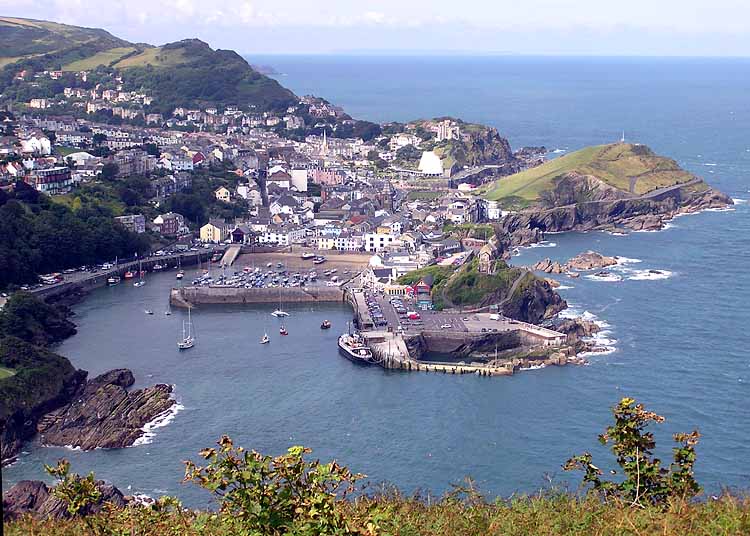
(184, 73)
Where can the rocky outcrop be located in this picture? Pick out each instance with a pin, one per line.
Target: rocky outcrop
(577, 328)
(105, 414)
(590, 260)
(548, 266)
(34, 497)
(650, 212)
(533, 301)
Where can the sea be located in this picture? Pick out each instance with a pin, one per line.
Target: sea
(677, 340)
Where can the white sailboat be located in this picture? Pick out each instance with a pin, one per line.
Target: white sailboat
(140, 281)
(188, 340)
(265, 339)
(280, 312)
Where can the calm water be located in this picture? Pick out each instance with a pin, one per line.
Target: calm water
(680, 343)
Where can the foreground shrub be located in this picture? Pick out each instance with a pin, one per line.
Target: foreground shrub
(645, 481)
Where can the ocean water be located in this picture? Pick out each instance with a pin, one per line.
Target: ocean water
(678, 339)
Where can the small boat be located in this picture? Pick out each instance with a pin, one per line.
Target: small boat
(129, 275)
(148, 312)
(114, 280)
(265, 339)
(278, 313)
(168, 312)
(180, 274)
(139, 283)
(188, 341)
(283, 331)
(326, 324)
(157, 267)
(308, 256)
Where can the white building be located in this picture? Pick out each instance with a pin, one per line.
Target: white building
(430, 164)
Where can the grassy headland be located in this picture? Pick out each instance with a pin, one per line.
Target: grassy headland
(630, 168)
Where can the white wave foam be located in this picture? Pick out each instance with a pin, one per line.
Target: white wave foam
(609, 278)
(558, 151)
(160, 421)
(543, 244)
(650, 275)
(626, 260)
(534, 367)
(710, 164)
(602, 340)
(720, 209)
(738, 201)
(563, 287)
(616, 233)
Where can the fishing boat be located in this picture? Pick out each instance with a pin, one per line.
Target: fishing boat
(188, 340)
(326, 324)
(129, 275)
(308, 256)
(158, 267)
(148, 312)
(180, 275)
(168, 312)
(265, 339)
(139, 283)
(114, 280)
(353, 347)
(283, 331)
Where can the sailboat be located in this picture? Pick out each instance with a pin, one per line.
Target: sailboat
(180, 272)
(140, 281)
(188, 341)
(265, 339)
(280, 312)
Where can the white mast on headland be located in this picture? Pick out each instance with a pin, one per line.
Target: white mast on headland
(622, 140)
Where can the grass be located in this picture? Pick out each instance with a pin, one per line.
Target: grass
(469, 287)
(64, 150)
(105, 57)
(423, 195)
(628, 167)
(547, 514)
(155, 56)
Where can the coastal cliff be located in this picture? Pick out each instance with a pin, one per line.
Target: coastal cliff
(104, 414)
(618, 188)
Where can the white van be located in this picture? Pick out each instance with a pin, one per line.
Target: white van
(494, 316)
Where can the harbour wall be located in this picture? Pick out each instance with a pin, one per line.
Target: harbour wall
(99, 279)
(192, 296)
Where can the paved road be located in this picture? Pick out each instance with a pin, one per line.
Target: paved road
(80, 277)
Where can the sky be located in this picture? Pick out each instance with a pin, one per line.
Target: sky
(547, 27)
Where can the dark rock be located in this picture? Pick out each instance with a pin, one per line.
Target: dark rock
(590, 260)
(105, 414)
(577, 328)
(36, 498)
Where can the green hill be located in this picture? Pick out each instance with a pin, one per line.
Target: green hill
(26, 38)
(186, 73)
(623, 169)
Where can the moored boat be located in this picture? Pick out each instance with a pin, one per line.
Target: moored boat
(265, 339)
(278, 313)
(129, 275)
(114, 280)
(188, 340)
(283, 331)
(326, 324)
(180, 275)
(353, 347)
(308, 256)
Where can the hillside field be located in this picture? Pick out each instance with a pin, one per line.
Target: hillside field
(632, 168)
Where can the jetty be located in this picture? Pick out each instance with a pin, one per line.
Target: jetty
(484, 344)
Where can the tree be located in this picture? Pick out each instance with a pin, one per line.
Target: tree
(645, 481)
(109, 171)
(99, 138)
(408, 152)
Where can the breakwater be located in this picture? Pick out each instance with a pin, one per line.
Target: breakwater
(192, 296)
